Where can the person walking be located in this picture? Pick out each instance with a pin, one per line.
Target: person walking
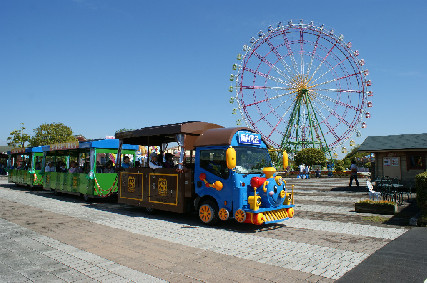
(353, 173)
(307, 172)
(301, 171)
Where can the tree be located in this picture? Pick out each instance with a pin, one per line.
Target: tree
(52, 133)
(310, 157)
(360, 157)
(339, 165)
(124, 130)
(18, 138)
(276, 158)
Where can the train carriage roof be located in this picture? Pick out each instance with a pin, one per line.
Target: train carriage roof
(221, 136)
(33, 149)
(157, 135)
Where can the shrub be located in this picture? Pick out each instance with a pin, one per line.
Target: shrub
(381, 202)
(339, 165)
(421, 188)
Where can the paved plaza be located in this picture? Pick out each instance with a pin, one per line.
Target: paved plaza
(48, 238)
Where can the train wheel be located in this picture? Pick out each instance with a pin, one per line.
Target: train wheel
(208, 212)
(86, 198)
(223, 214)
(290, 212)
(240, 216)
(149, 210)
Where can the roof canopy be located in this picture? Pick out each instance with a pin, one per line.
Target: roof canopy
(221, 136)
(33, 149)
(106, 144)
(151, 136)
(395, 142)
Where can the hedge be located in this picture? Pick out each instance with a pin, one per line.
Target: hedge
(421, 187)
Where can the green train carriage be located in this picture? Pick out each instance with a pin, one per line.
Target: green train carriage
(88, 176)
(24, 166)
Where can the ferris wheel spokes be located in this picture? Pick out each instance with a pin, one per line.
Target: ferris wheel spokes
(268, 99)
(256, 72)
(301, 38)
(290, 53)
(279, 56)
(280, 120)
(337, 102)
(323, 60)
(331, 69)
(331, 129)
(336, 90)
(336, 79)
(272, 66)
(313, 53)
(334, 113)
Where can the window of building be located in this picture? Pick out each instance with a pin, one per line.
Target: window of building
(416, 161)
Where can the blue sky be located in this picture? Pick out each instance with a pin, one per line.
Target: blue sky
(101, 65)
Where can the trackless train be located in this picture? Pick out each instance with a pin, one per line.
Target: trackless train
(222, 172)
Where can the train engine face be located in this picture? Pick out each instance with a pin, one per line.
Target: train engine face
(275, 193)
(269, 202)
(271, 192)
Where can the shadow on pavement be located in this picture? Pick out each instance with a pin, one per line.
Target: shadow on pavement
(404, 215)
(188, 220)
(353, 188)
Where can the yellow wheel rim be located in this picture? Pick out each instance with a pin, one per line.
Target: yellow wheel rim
(223, 214)
(240, 216)
(290, 212)
(205, 213)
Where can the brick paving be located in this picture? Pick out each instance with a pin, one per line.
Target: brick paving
(321, 244)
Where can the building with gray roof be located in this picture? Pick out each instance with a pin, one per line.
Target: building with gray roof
(398, 156)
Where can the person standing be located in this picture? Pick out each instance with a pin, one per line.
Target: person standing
(307, 172)
(353, 173)
(301, 171)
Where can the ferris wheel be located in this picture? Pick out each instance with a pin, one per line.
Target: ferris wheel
(301, 85)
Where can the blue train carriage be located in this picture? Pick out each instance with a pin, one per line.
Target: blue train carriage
(222, 173)
(24, 166)
(83, 168)
(234, 178)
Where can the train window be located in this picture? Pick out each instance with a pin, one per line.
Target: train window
(105, 162)
(214, 162)
(127, 160)
(251, 160)
(38, 162)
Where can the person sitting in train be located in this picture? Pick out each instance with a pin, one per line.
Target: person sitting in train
(99, 167)
(109, 167)
(62, 168)
(49, 167)
(154, 164)
(126, 162)
(38, 166)
(168, 161)
(74, 168)
(22, 166)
